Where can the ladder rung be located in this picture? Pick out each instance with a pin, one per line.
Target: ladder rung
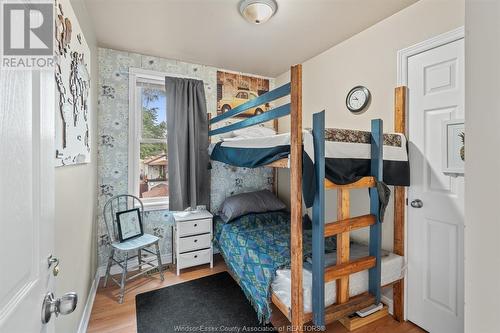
(336, 311)
(353, 223)
(337, 271)
(362, 183)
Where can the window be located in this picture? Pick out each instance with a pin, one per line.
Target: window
(242, 95)
(148, 154)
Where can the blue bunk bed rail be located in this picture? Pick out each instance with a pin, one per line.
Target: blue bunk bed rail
(274, 113)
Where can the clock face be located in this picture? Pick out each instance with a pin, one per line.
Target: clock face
(358, 99)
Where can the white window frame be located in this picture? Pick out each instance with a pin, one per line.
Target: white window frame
(135, 128)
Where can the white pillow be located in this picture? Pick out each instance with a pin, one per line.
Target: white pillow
(256, 131)
(226, 134)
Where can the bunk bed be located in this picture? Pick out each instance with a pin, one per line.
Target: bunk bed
(291, 154)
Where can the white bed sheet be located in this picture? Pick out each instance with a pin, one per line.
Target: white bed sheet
(392, 270)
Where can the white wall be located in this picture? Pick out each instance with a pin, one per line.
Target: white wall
(482, 188)
(368, 58)
(75, 201)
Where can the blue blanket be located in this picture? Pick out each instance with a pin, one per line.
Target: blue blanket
(254, 247)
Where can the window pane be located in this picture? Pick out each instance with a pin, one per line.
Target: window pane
(153, 182)
(154, 111)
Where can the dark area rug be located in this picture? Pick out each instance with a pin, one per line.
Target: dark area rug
(211, 304)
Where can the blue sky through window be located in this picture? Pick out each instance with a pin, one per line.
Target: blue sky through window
(160, 104)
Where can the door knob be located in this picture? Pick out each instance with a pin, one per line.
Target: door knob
(64, 305)
(417, 203)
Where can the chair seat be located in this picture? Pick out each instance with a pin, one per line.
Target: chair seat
(136, 243)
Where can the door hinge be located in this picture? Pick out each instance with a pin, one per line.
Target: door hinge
(407, 201)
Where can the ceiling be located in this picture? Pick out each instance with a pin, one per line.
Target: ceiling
(212, 32)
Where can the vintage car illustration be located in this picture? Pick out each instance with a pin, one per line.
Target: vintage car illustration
(242, 96)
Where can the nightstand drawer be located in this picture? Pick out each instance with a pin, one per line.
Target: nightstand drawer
(194, 258)
(193, 227)
(195, 242)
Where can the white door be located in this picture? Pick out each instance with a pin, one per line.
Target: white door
(26, 198)
(435, 231)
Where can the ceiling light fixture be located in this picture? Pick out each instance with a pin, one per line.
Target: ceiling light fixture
(258, 11)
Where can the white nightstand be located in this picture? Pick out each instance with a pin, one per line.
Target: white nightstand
(193, 239)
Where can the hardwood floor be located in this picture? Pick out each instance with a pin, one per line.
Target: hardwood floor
(110, 317)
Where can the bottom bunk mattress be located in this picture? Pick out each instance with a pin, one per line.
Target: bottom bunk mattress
(392, 270)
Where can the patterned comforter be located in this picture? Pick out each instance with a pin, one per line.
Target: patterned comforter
(254, 247)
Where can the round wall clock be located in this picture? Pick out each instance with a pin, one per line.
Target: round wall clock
(358, 99)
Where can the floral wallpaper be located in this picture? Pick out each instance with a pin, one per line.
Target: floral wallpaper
(113, 142)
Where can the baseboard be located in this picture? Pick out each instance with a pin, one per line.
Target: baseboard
(165, 259)
(84, 321)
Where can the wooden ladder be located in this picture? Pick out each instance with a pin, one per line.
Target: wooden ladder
(342, 228)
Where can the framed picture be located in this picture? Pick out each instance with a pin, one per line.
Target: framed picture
(129, 224)
(234, 89)
(453, 146)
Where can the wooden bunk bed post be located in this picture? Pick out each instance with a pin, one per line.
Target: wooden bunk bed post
(318, 232)
(374, 274)
(297, 307)
(400, 94)
(343, 247)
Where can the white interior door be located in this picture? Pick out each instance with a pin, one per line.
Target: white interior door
(435, 231)
(26, 197)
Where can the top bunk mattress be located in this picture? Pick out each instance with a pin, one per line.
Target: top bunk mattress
(347, 154)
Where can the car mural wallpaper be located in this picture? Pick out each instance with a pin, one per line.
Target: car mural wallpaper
(234, 89)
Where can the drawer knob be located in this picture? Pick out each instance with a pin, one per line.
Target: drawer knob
(196, 256)
(196, 224)
(195, 240)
